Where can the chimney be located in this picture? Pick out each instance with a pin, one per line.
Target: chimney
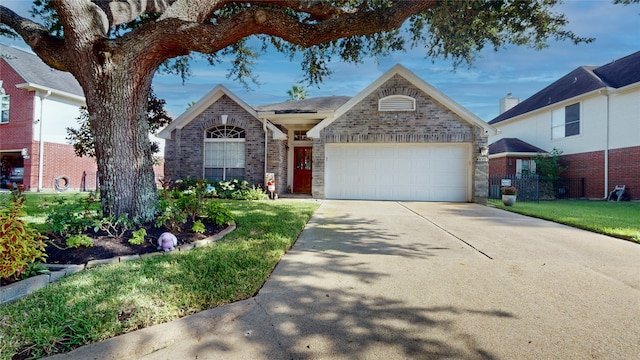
(508, 102)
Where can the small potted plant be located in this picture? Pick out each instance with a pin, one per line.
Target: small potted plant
(509, 194)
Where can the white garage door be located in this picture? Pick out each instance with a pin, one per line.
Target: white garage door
(425, 172)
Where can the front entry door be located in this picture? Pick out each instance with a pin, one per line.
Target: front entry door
(302, 170)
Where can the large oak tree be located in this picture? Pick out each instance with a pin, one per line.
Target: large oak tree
(114, 47)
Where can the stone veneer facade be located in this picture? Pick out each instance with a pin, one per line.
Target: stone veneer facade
(430, 123)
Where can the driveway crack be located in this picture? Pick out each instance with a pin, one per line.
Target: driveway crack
(445, 230)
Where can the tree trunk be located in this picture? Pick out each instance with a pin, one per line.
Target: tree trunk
(116, 102)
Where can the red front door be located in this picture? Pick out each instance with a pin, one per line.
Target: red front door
(302, 170)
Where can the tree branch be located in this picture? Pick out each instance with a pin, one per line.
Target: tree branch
(209, 38)
(36, 36)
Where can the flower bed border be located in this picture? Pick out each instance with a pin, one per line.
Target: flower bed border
(19, 289)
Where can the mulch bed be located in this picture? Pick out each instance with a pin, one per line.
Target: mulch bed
(105, 247)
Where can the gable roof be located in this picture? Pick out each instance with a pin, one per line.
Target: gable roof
(313, 105)
(583, 80)
(38, 75)
(513, 145)
(417, 82)
(207, 100)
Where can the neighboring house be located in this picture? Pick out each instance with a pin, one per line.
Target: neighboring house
(38, 104)
(398, 139)
(591, 115)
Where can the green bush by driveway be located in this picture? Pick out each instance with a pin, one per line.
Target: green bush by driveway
(618, 219)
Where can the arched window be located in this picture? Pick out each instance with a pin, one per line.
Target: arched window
(224, 153)
(397, 103)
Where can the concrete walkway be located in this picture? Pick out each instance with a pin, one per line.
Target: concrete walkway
(389, 280)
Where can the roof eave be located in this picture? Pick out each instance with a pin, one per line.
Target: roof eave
(580, 97)
(465, 114)
(194, 110)
(45, 89)
(515, 153)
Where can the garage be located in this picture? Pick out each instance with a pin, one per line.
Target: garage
(416, 171)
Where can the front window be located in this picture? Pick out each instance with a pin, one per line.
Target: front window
(565, 122)
(224, 153)
(300, 135)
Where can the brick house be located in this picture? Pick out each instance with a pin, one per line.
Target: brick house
(38, 104)
(398, 139)
(592, 115)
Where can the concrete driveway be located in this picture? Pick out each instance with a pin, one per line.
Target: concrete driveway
(390, 280)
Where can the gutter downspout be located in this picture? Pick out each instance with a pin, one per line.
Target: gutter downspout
(606, 147)
(266, 138)
(40, 142)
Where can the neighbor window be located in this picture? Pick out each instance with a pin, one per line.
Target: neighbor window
(525, 167)
(5, 102)
(224, 153)
(565, 122)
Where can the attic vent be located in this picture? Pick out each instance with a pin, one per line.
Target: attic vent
(397, 103)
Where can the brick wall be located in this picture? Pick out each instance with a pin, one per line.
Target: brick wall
(430, 123)
(18, 132)
(624, 169)
(277, 162)
(505, 165)
(60, 160)
(589, 166)
(184, 151)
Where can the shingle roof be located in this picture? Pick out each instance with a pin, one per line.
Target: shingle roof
(312, 105)
(513, 145)
(35, 71)
(582, 80)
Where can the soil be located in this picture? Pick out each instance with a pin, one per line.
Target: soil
(106, 247)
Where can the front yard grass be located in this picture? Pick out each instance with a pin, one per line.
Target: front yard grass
(618, 219)
(106, 301)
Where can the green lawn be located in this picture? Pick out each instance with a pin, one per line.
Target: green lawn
(619, 219)
(106, 301)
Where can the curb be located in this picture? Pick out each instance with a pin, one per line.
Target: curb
(20, 289)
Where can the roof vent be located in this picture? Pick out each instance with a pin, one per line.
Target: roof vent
(397, 103)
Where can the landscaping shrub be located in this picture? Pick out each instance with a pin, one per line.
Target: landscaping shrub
(239, 190)
(191, 200)
(72, 217)
(76, 241)
(20, 244)
(218, 214)
(137, 237)
(198, 227)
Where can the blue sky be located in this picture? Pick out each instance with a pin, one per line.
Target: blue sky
(518, 70)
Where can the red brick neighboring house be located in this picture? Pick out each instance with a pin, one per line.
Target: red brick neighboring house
(592, 115)
(38, 104)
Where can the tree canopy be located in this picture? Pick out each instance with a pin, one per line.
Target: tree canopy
(115, 47)
(319, 30)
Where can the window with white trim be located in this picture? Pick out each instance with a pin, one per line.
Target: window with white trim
(525, 167)
(397, 103)
(565, 122)
(5, 104)
(224, 153)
